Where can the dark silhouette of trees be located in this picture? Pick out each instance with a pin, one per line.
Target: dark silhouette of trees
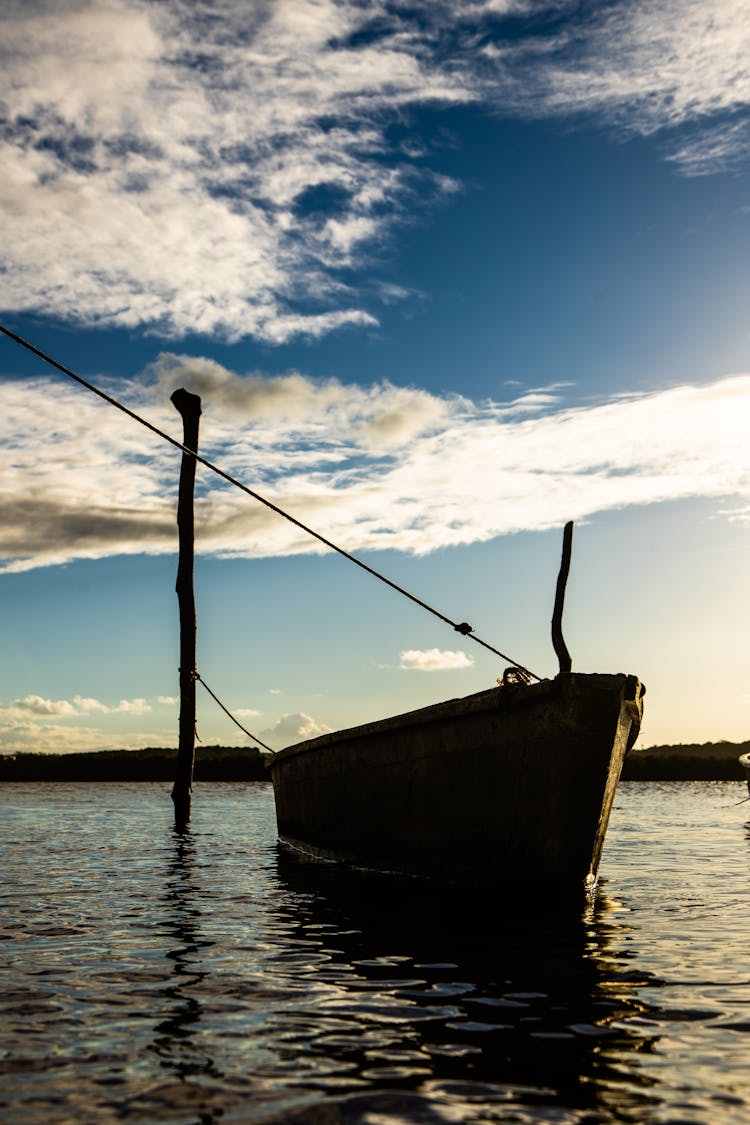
(212, 763)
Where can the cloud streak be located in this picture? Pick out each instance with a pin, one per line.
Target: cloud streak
(653, 67)
(369, 467)
(434, 660)
(225, 168)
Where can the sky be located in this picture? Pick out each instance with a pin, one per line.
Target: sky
(445, 276)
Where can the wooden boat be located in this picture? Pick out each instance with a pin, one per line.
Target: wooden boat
(744, 761)
(509, 786)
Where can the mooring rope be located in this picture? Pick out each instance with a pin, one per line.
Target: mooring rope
(197, 676)
(462, 627)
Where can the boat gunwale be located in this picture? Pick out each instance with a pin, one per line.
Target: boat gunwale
(508, 696)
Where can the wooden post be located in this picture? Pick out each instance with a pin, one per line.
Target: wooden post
(189, 406)
(558, 642)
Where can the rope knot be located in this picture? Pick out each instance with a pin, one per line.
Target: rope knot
(515, 675)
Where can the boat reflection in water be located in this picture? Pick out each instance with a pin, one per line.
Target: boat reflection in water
(433, 1006)
(342, 997)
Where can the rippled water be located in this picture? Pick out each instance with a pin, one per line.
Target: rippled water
(149, 977)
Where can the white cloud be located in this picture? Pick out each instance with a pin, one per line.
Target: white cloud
(293, 728)
(124, 707)
(143, 188)
(130, 707)
(434, 660)
(41, 709)
(39, 725)
(233, 195)
(369, 468)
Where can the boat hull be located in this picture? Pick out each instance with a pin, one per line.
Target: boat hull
(508, 786)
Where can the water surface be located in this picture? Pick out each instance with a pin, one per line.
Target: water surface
(150, 977)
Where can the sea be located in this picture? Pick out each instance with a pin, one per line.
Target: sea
(186, 979)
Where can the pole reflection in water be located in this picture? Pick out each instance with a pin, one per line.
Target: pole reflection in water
(196, 1080)
(174, 1043)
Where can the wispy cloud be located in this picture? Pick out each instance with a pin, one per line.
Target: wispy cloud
(677, 68)
(222, 168)
(434, 660)
(373, 467)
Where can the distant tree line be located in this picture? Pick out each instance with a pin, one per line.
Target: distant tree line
(212, 763)
(708, 761)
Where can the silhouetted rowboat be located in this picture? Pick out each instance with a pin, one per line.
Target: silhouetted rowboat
(509, 786)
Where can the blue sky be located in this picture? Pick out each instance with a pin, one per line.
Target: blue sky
(445, 276)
